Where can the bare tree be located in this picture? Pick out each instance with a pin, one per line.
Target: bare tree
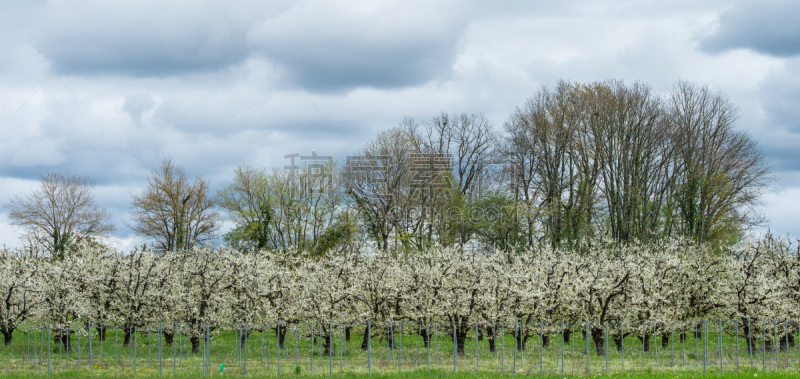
(635, 147)
(722, 171)
(59, 213)
(378, 181)
(174, 211)
(547, 148)
(468, 139)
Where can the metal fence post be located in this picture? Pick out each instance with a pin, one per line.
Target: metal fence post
(261, 351)
(705, 345)
(400, 347)
(515, 348)
(587, 347)
(149, 343)
(312, 346)
(390, 342)
(622, 342)
(160, 355)
(683, 345)
(419, 346)
(562, 348)
(91, 352)
(719, 341)
(278, 357)
(436, 338)
(541, 346)
(655, 340)
(736, 325)
(48, 349)
(605, 345)
(61, 342)
(573, 347)
(455, 346)
(477, 363)
(369, 347)
(777, 347)
(764, 337)
(269, 343)
(750, 343)
(428, 343)
(134, 350)
(644, 340)
(786, 330)
(174, 348)
(246, 325)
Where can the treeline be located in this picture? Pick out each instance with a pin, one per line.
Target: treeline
(574, 162)
(665, 284)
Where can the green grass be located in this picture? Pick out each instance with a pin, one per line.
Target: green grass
(676, 361)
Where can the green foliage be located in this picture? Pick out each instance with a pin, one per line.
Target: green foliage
(253, 233)
(343, 231)
(497, 222)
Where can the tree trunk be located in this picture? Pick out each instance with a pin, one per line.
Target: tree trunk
(787, 341)
(546, 340)
(127, 339)
(281, 334)
(461, 338)
(599, 341)
(7, 334)
(328, 350)
(522, 340)
(664, 340)
(168, 337)
(492, 337)
(599, 345)
(390, 338)
(347, 333)
(617, 343)
(101, 332)
(567, 334)
(646, 342)
(426, 338)
(195, 344)
(65, 340)
(365, 341)
(243, 337)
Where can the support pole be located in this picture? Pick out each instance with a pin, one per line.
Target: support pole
(455, 348)
(587, 347)
(516, 326)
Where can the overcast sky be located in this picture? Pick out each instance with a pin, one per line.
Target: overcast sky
(109, 88)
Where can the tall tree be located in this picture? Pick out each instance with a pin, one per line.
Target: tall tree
(248, 203)
(378, 181)
(174, 211)
(59, 213)
(722, 170)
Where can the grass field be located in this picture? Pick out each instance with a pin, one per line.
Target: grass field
(28, 356)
